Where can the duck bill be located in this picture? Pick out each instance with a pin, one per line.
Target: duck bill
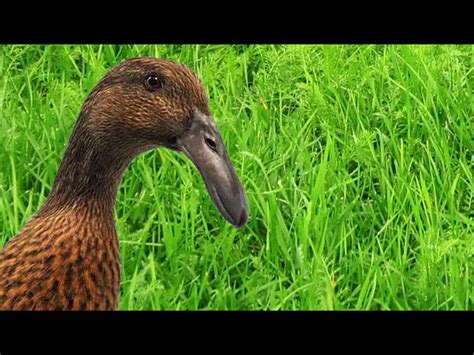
(203, 144)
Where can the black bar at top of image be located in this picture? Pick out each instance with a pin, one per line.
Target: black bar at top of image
(237, 22)
(295, 28)
(257, 36)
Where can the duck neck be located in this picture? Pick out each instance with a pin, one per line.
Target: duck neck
(90, 172)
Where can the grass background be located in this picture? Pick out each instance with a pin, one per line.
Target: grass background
(357, 162)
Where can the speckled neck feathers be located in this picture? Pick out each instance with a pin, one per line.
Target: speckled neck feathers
(67, 257)
(90, 171)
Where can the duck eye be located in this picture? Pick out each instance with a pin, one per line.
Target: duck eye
(153, 82)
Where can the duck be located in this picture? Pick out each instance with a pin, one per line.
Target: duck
(67, 255)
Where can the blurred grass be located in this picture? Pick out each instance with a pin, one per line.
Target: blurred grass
(357, 161)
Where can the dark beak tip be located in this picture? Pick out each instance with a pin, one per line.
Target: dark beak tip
(240, 222)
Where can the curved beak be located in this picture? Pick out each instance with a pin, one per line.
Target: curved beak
(203, 144)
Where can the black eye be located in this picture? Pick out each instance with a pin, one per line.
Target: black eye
(153, 82)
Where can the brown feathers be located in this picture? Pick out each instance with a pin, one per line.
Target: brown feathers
(67, 256)
(67, 259)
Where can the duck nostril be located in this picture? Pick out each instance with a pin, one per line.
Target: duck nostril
(211, 144)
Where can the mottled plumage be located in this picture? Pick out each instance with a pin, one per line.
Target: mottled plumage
(67, 256)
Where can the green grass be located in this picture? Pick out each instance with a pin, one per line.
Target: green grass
(357, 161)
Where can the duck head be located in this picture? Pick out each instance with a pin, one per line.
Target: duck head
(145, 103)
